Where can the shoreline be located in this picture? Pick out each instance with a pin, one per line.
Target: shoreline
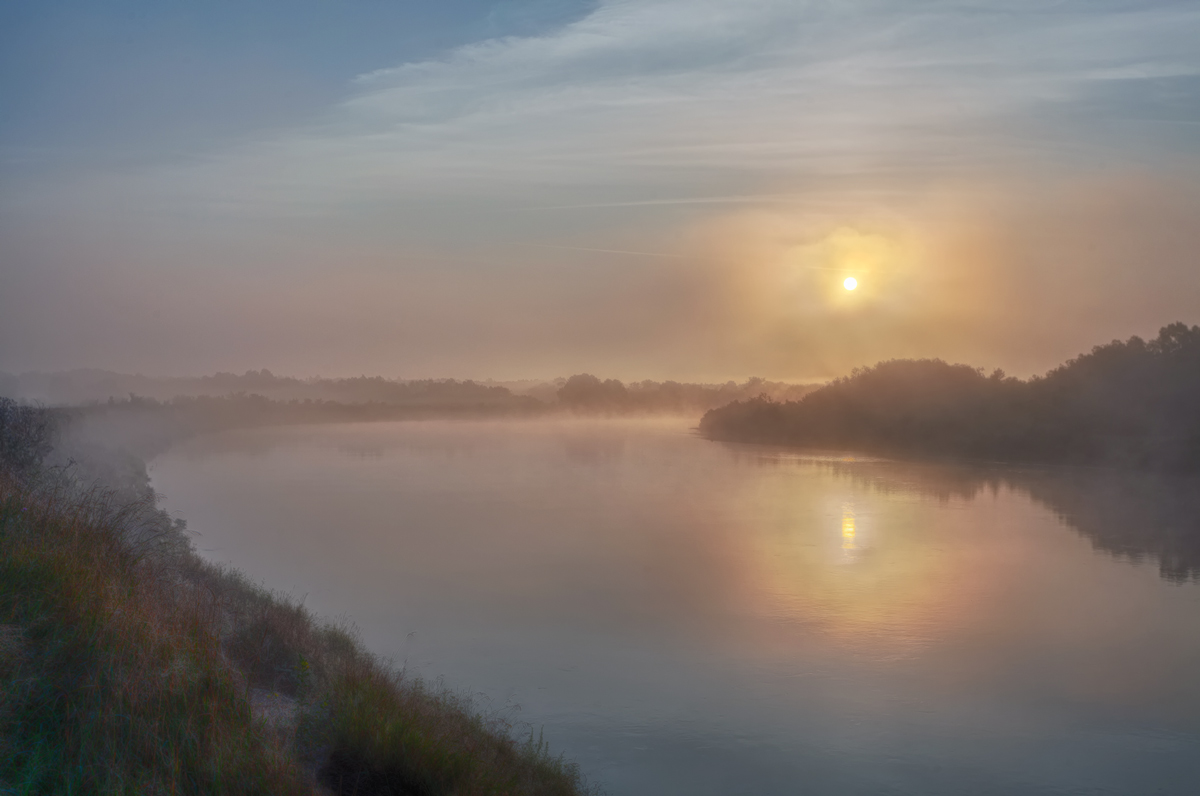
(240, 687)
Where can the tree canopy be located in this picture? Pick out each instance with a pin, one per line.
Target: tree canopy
(1132, 403)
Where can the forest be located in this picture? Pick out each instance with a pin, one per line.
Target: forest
(1132, 403)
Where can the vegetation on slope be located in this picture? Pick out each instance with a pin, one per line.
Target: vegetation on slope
(113, 682)
(1132, 403)
(130, 666)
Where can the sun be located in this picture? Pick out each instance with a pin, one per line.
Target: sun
(850, 283)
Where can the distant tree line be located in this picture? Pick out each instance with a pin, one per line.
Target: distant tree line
(260, 392)
(1132, 403)
(82, 386)
(587, 394)
(580, 394)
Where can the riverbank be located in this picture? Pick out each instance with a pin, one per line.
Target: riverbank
(130, 665)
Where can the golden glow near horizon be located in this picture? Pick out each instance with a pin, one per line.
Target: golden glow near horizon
(848, 531)
(847, 270)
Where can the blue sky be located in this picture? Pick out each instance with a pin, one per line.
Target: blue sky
(640, 188)
(130, 79)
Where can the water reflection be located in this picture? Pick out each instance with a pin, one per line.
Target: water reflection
(849, 534)
(1130, 516)
(1133, 516)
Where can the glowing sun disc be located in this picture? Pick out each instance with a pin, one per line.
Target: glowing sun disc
(850, 283)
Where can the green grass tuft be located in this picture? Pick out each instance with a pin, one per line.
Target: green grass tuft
(110, 683)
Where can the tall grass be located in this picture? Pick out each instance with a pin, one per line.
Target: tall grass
(386, 735)
(128, 665)
(114, 681)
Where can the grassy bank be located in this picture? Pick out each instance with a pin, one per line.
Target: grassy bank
(129, 665)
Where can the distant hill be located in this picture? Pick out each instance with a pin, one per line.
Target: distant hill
(1132, 403)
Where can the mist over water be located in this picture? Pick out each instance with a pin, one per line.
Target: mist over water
(689, 617)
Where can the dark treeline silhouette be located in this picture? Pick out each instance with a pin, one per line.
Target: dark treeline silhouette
(1132, 403)
(587, 394)
(83, 386)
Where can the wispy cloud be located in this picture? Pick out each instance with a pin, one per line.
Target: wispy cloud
(653, 97)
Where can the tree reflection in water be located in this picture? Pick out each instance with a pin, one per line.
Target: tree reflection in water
(1133, 516)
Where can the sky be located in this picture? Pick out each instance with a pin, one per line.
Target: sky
(661, 189)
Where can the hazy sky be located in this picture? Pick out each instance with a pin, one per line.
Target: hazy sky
(635, 188)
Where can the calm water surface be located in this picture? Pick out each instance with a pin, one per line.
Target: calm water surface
(688, 617)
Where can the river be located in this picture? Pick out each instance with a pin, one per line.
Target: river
(687, 617)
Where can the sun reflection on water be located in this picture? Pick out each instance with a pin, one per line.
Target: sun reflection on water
(848, 531)
(867, 570)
